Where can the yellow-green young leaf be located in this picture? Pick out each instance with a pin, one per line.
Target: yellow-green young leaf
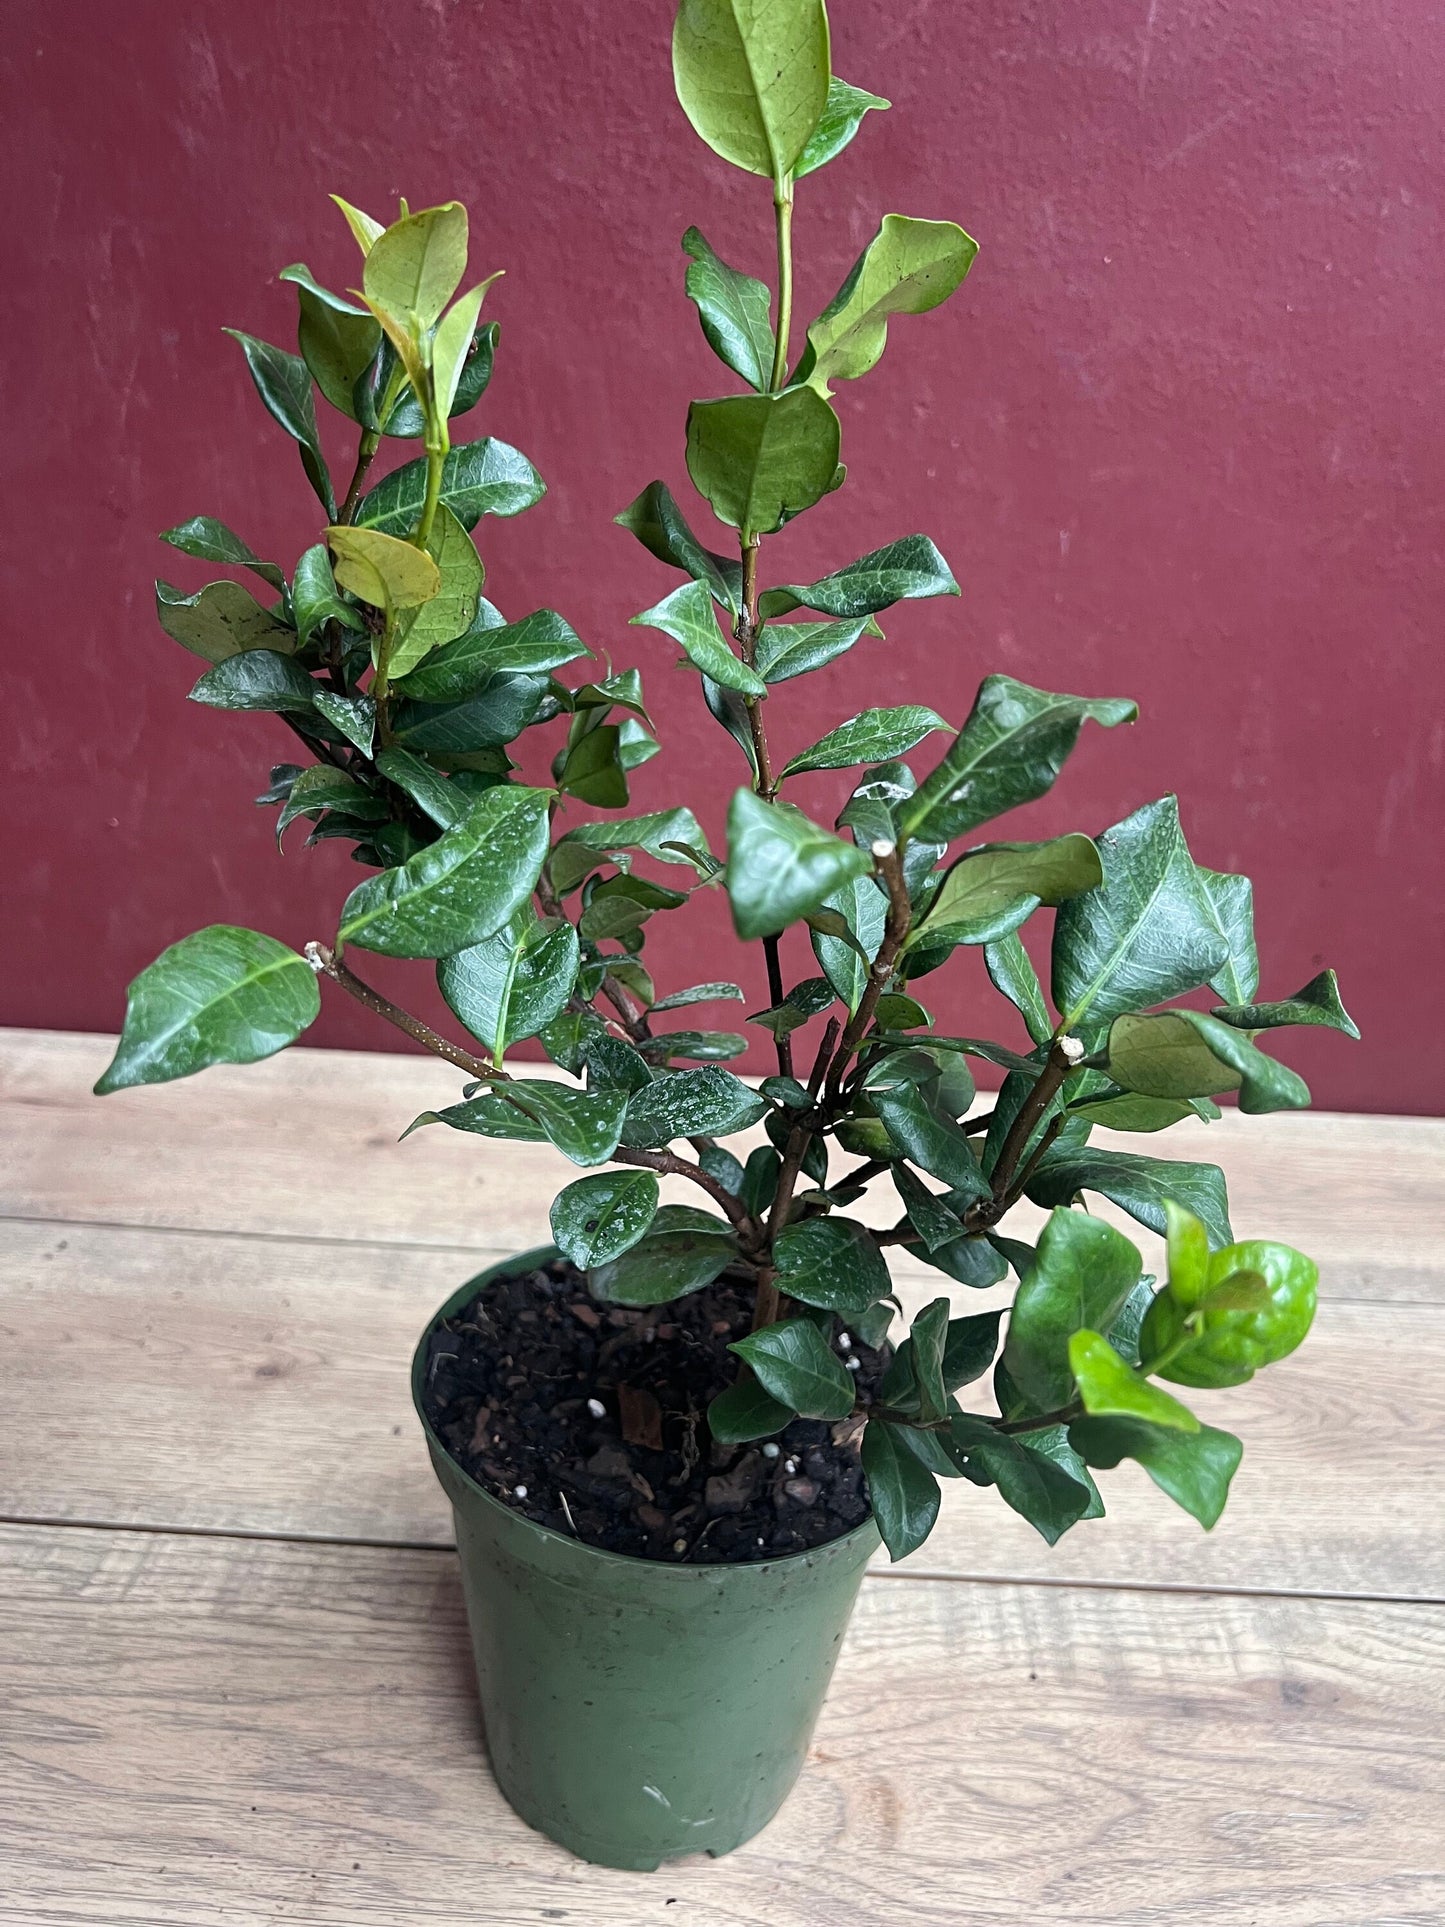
(1112, 1389)
(413, 345)
(1188, 1243)
(387, 573)
(450, 611)
(363, 227)
(452, 341)
(752, 77)
(219, 621)
(840, 122)
(414, 268)
(907, 268)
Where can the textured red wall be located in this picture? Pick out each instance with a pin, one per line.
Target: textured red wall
(1179, 434)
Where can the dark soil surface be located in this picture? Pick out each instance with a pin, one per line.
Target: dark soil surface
(508, 1386)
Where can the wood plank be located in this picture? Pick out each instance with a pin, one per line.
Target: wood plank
(306, 1145)
(207, 1381)
(206, 1731)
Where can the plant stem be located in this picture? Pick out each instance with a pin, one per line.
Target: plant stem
(365, 452)
(668, 1164)
(436, 455)
(1064, 1054)
(895, 931)
(783, 218)
(327, 964)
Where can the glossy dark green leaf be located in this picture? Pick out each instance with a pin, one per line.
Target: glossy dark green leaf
(338, 341)
(803, 1002)
(591, 769)
(491, 1116)
(1317, 1003)
(256, 679)
(354, 717)
(494, 714)
(1124, 1111)
(762, 459)
(908, 267)
(701, 1103)
(753, 80)
(539, 642)
(512, 984)
(203, 536)
(793, 1364)
(323, 788)
(1082, 1276)
(661, 833)
(1146, 933)
(443, 801)
(929, 1138)
(734, 310)
(1230, 908)
(1013, 974)
(220, 996)
(837, 125)
(901, 571)
(1110, 1388)
(485, 477)
(728, 708)
(930, 1217)
(1193, 1468)
(1036, 1487)
(781, 865)
(1137, 1185)
(459, 889)
(745, 1412)
(1008, 752)
(1184, 1054)
(868, 738)
(832, 1263)
(661, 527)
(314, 596)
(698, 1046)
(599, 1218)
(788, 649)
(969, 1348)
(687, 616)
(862, 909)
(582, 1125)
(683, 1252)
(284, 384)
(614, 1064)
(220, 621)
(989, 892)
(903, 1492)
(699, 994)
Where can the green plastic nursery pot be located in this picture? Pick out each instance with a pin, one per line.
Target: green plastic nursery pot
(636, 1710)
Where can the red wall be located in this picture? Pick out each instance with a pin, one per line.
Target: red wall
(1179, 434)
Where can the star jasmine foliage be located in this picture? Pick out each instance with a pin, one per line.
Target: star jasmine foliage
(405, 691)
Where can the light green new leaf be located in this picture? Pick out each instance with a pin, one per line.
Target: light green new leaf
(220, 996)
(662, 529)
(687, 616)
(752, 77)
(364, 229)
(781, 865)
(452, 344)
(871, 737)
(1192, 1468)
(599, 1218)
(832, 1263)
(459, 889)
(284, 384)
(219, 621)
(990, 892)
(415, 267)
(907, 268)
(1112, 1389)
(485, 477)
(1081, 1277)
(762, 459)
(1317, 1003)
(211, 541)
(908, 570)
(793, 1364)
(841, 119)
(1183, 1053)
(734, 310)
(450, 612)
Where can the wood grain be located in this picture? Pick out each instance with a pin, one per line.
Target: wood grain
(209, 1381)
(306, 1145)
(206, 1731)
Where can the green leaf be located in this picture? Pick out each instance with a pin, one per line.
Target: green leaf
(702, 1046)
(440, 799)
(804, 1001)
(365, 231)
(538, 643)
(903, 571)
(660, 526)
(862, 910)
(382, 570)
(219, 621)
(1192, 1468)
(789, 649)
(745, 1412)
(323, 788)
(989, 892)
(591, 769)
(257, 679)
(415, 267)
(490, 1116)
(1008, 752)
(762, 459)
(840, 121)
(313, 595)
(907, 268)
(406, 420)
(1112, 1389)
(485, 477)
(1146, 933)
(699, 994)
(219, 996)
(599, 1218)
(494, 714)
(793, 1364)
(284, 384)
(338, 341)
(684, 1251)
(582, 1125)
(663, 834)
(512, 984)
(734, 311)
(752, 77)
(453, 343)
(450, 612)
(1183, 1053)
(868, 738)
(1029, 1481)
(1123, 1111)
(612, 1063)
(930, 1217)
(1138, 1185)
(353, 716)
(832, 1263)
(1317, 1003)
(702, 1103)
(1229, 902)
(969, 1346)
(1012, 973)
(781, 865)
(929, 1138)
(459, 889)
(687, 616)
(1082, 1275)
(203, 536)
(903, 1492)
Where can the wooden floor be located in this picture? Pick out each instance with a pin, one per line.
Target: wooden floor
(234, 1684)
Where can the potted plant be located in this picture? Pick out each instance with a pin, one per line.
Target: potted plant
(673, 1436)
